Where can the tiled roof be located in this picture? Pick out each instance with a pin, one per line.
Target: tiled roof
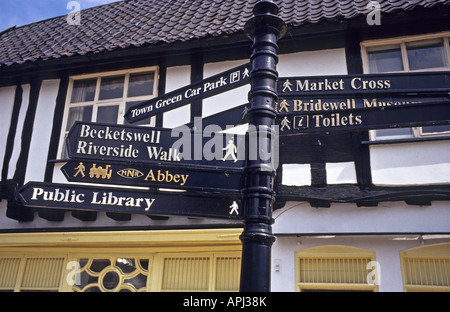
(134, 23)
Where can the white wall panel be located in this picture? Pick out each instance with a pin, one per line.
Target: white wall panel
(387, 217)
(42, 130)
(7, 95)
(177, 77)
(20, 125)
(411, 164)
(226, 100)
(313, 63)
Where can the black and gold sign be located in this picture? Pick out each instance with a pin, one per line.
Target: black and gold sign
(401, 83)
(132, 201)
(211, 86)
(130, 144)
(362, 102)
(157, 176)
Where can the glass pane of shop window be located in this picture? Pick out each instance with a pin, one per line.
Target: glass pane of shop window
(426, 54)
(397, 133)
(108, 114)
(83, 90)
(82, 113)
(111, 87)
(141, 84)
(385, 59)
(436, 129)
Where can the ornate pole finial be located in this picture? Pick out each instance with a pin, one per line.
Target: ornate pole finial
(265, 12)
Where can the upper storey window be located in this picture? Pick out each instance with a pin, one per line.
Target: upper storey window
(105, 98)
(409, 54)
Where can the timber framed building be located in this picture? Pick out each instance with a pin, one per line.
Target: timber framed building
(359, 210)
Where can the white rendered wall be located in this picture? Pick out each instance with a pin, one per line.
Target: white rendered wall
(387, 253)
(177, 77)
(7, 95)
(412, 163)
(20, 124)
(315, 63)
(387, 217)
(226, 100)
(42, 131)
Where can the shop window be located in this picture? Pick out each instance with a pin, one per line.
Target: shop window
(105, 98)
(77, 267)
(411, 54)
(112, 275)
(199, 273)
(426, 268)
(335, 268)
(30, 274)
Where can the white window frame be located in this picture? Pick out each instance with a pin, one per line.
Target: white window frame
(402, 42)
(96, 103)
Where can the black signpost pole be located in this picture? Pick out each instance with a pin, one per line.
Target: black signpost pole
(265, 28)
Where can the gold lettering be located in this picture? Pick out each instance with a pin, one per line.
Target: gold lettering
(151, 176)
(298, 106)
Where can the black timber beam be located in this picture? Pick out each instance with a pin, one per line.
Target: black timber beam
(363, 197)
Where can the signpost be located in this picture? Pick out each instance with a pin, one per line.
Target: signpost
(264, 29)
(132, 201)
(217, 84)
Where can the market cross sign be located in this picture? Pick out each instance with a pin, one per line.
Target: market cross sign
(217, 84)
(402, 83)
(129, 201)
(130, 144)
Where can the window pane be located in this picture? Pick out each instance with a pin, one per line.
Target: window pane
(434, 129)
(141, 84)
(426, 54)
(111, 88)
(83, 90)
(108, 114)
(386, 134)
(144, 122)
(386, 59)
(83, 113)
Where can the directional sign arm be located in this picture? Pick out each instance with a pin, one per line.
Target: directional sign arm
(75, 197)
(401, 83)
(154, 175)
(214, 85)
(365, 119)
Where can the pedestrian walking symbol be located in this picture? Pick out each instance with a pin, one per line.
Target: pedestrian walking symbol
(80, 170)
(231, 150)
(234, 208)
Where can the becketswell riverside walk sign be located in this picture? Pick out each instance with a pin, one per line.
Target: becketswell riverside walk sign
(197, 170)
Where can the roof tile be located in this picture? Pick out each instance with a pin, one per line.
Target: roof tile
(136, 22)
